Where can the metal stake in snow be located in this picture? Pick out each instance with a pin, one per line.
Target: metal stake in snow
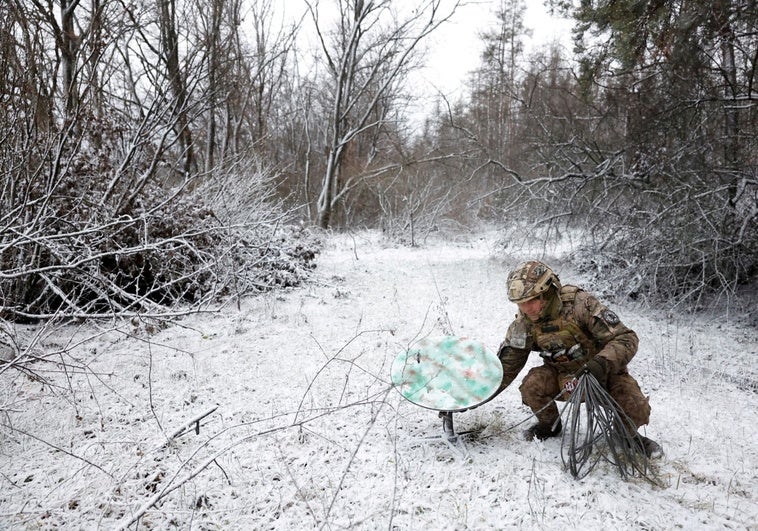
(449, 375)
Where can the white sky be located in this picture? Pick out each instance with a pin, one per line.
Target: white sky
(456, 46)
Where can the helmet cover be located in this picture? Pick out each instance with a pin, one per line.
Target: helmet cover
(529, 280)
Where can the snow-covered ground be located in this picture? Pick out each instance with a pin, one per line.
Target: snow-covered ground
(305, 431)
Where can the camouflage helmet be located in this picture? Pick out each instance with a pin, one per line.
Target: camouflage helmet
(529, 280)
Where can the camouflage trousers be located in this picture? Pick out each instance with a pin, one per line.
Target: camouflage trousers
(543, 383)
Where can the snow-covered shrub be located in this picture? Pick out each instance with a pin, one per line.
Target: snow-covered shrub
(684, 238)
(679, 240)
(82, 236)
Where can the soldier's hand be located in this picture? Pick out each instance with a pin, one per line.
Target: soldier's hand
(597, 367)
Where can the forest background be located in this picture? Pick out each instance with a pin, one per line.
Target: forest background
(160, 152)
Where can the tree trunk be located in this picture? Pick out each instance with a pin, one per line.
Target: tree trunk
(328, 188)
(170, 43)
(69, 46)
(213, 66)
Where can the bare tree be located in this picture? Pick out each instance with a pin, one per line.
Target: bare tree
(365, 56)
(214, 65)
(100, 210)
(495, 89)
(169, 48)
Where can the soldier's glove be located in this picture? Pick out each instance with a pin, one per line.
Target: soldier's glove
(597, 367)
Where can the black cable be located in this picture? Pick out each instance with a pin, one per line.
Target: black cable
(598, 429)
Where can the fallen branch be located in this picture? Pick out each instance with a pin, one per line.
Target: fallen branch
(184, 428)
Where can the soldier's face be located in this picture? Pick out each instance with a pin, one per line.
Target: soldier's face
(531, 308)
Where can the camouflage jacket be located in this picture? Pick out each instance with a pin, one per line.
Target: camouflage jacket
(578, 318)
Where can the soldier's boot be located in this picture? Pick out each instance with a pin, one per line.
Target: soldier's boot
(650, 448)
(543, 430)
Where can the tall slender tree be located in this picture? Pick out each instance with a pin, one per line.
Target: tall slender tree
(676, 84)
(169, 47)
(366, 55)
(495, 85)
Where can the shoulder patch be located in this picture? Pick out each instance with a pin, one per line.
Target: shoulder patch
(517, 335)
(610, 317)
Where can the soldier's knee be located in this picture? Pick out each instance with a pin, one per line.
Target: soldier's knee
(538, 382)
(642, 411)
(529, 384)
(629, 396)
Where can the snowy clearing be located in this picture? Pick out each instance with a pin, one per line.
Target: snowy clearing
(301, 428)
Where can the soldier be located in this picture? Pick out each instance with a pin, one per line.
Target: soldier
(574, 332)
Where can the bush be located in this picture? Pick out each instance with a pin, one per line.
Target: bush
(66, 252)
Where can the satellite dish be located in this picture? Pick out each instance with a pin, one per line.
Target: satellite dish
(447, 374)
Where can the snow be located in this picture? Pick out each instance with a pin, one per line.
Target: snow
(308, 432)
